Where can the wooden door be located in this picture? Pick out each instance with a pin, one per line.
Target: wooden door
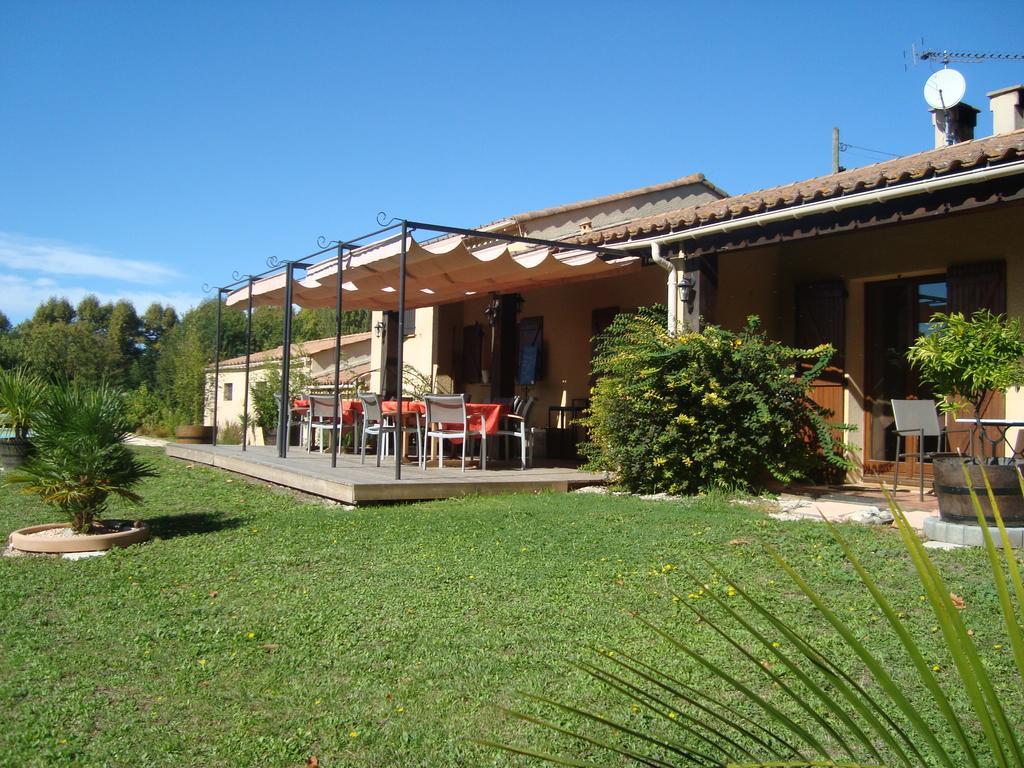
(898, 312)
(821, 319)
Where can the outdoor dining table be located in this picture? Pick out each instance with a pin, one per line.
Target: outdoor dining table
(491, 414)
(998, 428)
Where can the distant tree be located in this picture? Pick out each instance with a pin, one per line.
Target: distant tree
(319, 323)
(56, 351)
(94, 314)
(124, 334)
(312, 324)
(267, 328)
(156, 322)
(54, 310)
(181, 372)
(8, 344)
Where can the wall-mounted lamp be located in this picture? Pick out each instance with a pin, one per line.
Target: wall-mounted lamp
(378, 329)
(687, 290)
(493, 309)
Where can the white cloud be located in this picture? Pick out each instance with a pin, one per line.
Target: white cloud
(19, 296)
(56, 258)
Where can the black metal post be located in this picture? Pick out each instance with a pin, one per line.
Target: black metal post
(248, 351)
(399, 427)
(337, 361)
(284, 413)
(216, 365)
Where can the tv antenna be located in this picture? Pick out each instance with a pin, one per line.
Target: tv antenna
(960, 57)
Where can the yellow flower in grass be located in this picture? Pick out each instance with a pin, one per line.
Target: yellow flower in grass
(353, 734)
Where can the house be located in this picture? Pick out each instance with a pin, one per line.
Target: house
(494, 319)
(315, 359)
(859, 259)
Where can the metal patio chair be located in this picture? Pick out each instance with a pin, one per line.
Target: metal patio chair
(920, 419)
(446, 419)
(517, 426)
(375, 424)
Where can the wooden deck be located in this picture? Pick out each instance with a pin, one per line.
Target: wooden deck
(354, 483)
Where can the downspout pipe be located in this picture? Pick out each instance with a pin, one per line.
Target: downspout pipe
(673, 285)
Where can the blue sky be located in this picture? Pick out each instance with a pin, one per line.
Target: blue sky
(150, 147)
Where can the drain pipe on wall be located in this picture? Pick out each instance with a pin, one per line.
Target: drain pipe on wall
(673, 285)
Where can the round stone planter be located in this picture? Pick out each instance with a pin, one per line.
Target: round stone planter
(24, 541)
(954, 495)
(13, 453)
(194, 434)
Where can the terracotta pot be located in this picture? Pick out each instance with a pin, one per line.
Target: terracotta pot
(195, 434)
(954, 497)
(24, 541)
(13, 452)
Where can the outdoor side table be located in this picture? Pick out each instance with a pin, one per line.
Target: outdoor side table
(994, 432)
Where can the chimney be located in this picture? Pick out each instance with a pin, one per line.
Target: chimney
(1007, 105)
(962, 119)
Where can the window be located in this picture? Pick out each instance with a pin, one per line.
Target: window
(229, 391)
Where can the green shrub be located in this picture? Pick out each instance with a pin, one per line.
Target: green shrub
(967, 359)
(230, 433)
(265, 389)
(21, 395)
(81, 457)
(149, 414)
(694, 411)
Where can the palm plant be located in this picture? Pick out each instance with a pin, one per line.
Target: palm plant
(81, 457)
(21, 394)
(809, 708)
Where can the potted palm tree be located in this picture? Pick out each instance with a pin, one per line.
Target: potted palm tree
(21, 394)
(81, 461)
(964, 361)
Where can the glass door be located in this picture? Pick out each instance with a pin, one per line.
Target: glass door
(898, 311)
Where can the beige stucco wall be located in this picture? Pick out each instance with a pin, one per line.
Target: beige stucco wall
(761, 280)
(418, 348)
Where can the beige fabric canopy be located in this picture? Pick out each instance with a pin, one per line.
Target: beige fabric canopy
(437, 272)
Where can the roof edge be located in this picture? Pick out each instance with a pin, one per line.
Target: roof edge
(693, 178)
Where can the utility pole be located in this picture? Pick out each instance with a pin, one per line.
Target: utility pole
(835, 150)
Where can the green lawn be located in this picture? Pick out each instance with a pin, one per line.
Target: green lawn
(258, 629)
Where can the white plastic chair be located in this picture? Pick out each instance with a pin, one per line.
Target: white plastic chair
(517, 426)
(319, 419)
(920, 419)
(446, 420)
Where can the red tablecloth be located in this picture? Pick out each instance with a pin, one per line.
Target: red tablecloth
(491, 413)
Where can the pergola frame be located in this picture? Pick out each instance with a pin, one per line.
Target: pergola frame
(341, 247)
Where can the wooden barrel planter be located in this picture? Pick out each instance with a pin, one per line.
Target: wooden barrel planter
(13, 452)
(954, 496)
(193, 434)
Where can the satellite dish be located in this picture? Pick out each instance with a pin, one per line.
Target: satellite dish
(945, 89)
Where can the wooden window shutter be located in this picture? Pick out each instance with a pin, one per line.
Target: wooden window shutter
(977, 286)
(821, 318)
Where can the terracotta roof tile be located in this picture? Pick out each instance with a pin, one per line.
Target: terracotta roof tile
(936, 162)
(693, 178)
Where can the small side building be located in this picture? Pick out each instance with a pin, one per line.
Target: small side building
(314, 359)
